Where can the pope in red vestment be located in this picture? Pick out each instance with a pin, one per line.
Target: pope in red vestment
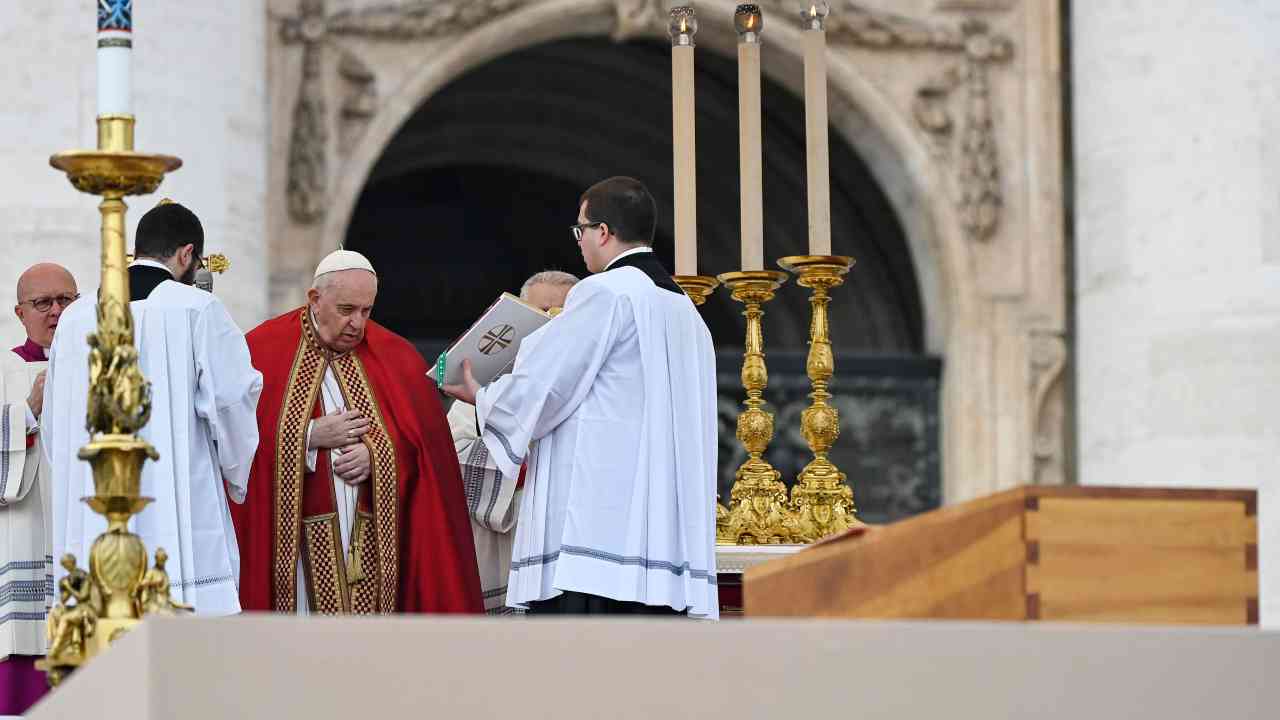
(376, 520)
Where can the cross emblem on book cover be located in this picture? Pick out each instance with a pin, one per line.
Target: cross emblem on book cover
(497, 339)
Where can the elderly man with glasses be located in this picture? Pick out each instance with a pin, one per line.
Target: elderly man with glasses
(44, 291)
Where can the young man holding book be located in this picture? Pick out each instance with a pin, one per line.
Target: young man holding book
(493, 499)
(617, 399)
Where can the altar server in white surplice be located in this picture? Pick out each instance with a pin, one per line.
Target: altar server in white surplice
(617, 396)
(25, 565)
(492, 498)
(204, 396)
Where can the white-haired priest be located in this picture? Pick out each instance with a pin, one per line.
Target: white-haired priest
(355, 500)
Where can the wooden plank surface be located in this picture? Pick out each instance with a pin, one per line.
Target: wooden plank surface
(1150, 557)
(1147, 555)
(1248, 497)
(959, 562)
(1155, 522)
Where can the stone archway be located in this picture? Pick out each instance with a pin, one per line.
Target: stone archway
(984, 227)
(474, 192)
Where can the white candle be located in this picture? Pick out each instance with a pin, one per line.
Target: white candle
(815, 116)
(115, 51)
(749, 22)
(684, 23)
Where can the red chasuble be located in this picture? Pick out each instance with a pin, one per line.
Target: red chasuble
(411, 548)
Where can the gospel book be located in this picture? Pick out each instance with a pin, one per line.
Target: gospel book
(491, 342)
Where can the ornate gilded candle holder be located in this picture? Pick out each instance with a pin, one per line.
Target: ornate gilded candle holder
(757, 512)
(697, 287)
(821, 499)
(98, 606)
(215, 263)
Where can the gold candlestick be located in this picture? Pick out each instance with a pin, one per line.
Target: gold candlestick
(697, 287)
(821, 499)
(100, 605)
(757, 513)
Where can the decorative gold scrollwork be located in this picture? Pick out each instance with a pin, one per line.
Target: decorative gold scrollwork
(757, 512)
(821, 500)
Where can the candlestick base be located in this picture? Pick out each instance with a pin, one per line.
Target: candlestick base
(821, 500)
(697, 287)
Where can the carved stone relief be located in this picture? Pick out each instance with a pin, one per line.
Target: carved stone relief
(634, 18)
(361, 101)
(1048, 362)
(313, 28)
(976, 47)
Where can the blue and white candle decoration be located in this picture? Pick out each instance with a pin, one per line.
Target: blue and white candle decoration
(115, 51)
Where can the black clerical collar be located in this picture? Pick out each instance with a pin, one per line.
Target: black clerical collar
(145, 275)
(644, 260)
(148, 262)
(627, 253)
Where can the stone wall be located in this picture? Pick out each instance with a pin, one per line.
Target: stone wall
(1176, 115)
(199, 82)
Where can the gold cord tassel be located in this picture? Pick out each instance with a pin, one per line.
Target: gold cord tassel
(355, 569)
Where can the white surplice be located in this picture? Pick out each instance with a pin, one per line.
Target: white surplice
(204, 396)
(493, 503)
(26, 568)
(618, 394)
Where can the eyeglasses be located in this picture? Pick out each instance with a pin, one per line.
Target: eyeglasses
(577, 229)
(42, 304)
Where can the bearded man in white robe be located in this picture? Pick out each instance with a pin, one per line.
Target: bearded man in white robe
(617, 396)
(493, 499)
(204, 396)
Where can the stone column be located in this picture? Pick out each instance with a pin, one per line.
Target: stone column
(199, 84)
(1176, 113)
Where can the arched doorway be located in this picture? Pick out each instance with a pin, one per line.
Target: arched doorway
(477, 188)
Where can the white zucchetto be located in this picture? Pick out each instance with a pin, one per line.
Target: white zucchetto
(344, 260)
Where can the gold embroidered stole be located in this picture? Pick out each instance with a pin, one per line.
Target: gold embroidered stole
(367, 581)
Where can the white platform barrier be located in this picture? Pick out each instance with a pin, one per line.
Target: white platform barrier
(391, 668)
